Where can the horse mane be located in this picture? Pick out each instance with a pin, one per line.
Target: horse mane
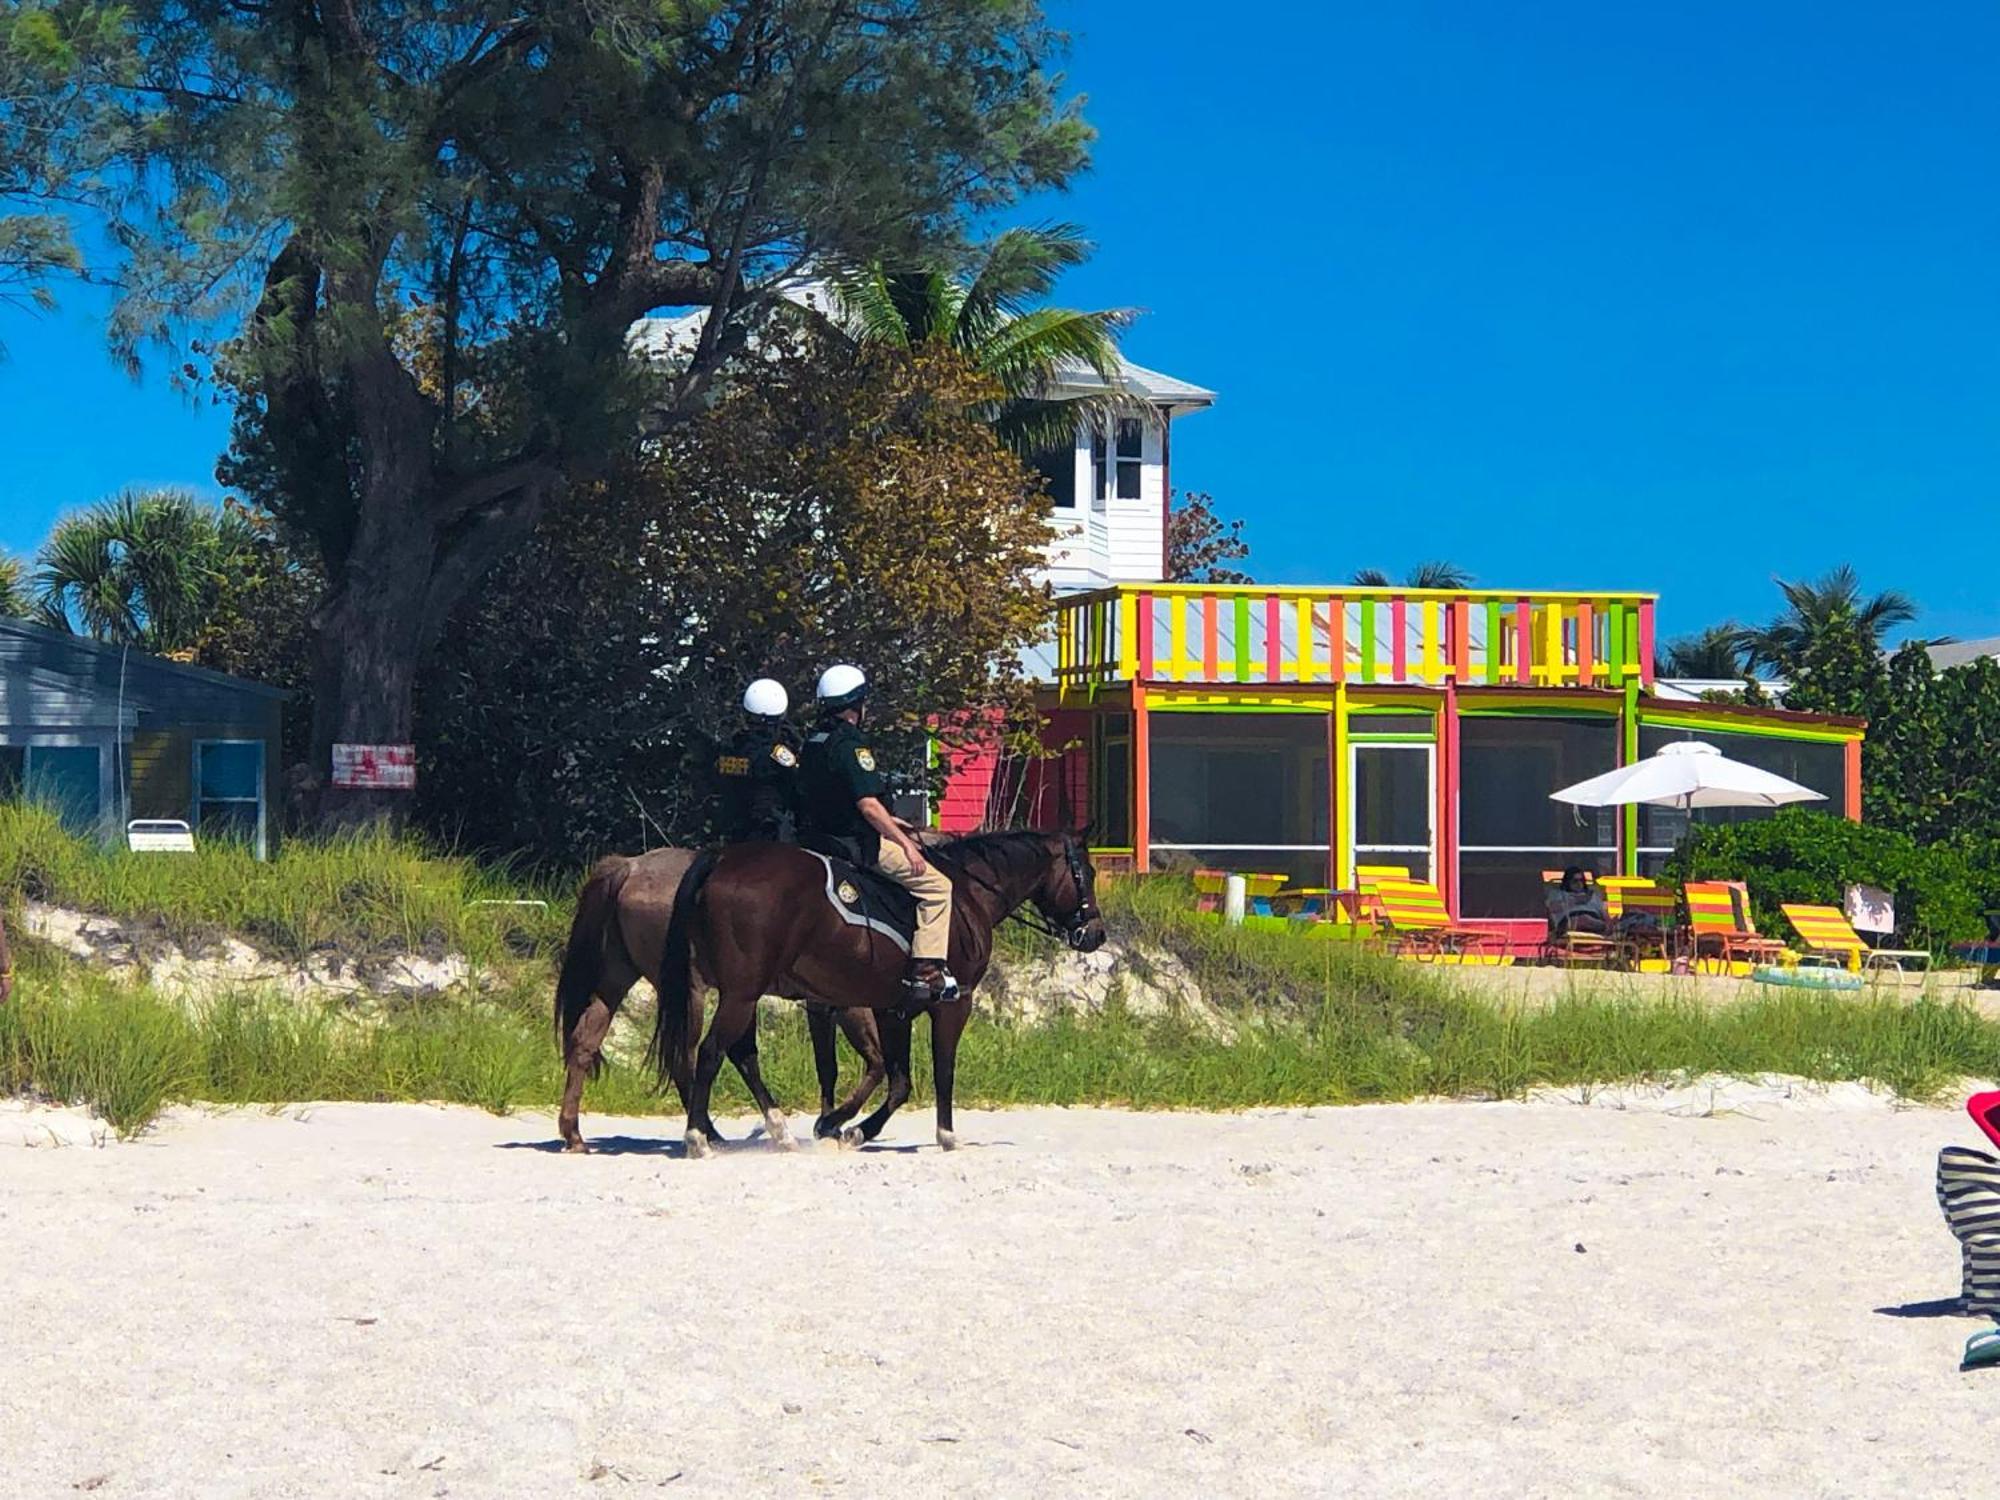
(1004, 848)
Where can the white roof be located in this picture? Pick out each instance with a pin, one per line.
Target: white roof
(1951, 654)
(675, 337)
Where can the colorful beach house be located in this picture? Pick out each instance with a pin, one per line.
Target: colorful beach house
(1312, 730)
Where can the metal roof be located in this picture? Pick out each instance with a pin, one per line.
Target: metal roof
(676, 337)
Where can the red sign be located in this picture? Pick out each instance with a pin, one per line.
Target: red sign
(375, 767)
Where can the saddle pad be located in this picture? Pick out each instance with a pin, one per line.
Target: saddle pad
(862, 898)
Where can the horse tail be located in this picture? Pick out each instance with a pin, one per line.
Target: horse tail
(675, 982)
(583, 959)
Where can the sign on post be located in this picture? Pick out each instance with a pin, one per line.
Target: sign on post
(391, 768)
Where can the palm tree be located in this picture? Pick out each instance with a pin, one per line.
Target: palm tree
(1713, 655)
(1813, 607)
(1429, 575)
(994, 321)
(141, 569)
(15, 601)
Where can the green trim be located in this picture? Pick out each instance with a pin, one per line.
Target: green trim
(1368, 640)
(1585, 710)
(1412, 738)
(1395, 710)
(1494, 637)
(1628, 863)
(1614, 641)
(1756, 728)
(1242, 637)
(1320, 710)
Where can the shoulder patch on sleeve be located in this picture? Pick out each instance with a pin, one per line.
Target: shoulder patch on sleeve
(782, 754)
(865, 758)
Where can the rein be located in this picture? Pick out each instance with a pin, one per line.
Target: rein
(1034, 921)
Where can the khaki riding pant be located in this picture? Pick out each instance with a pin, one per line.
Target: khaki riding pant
(933, 892)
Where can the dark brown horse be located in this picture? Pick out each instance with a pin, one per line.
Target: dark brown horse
(754, 920)
(618, 936)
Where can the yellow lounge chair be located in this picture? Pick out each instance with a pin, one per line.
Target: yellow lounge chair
(1825, 933)
(1415, 920)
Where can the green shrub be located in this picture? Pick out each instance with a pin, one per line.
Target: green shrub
(1805, 856)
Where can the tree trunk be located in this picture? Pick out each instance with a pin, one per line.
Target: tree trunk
(369, 649)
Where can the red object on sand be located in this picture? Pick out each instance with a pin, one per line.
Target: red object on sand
(1983, 1108)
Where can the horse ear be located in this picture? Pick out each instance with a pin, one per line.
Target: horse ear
(1087, 835)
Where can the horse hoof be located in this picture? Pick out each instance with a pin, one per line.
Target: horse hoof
(947, 1140)
(576, 1147)
(697, 1145)
(825, 1132)
(852, 1138)
(781, 1137)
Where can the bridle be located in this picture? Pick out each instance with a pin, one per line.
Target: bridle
(1086, 910)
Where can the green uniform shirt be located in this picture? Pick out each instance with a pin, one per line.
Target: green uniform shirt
(838, 771)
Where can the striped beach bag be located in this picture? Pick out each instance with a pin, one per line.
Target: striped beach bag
(1968, 1189)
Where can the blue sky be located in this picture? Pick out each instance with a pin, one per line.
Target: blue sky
(1575, 295)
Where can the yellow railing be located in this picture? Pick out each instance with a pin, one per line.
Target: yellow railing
(1248, 634)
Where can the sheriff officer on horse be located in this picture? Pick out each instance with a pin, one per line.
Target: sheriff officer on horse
(757, 773)
(842, 802)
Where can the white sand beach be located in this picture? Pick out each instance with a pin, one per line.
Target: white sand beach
(1679, 1296)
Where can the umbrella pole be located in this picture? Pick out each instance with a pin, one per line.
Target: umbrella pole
(1684, 957)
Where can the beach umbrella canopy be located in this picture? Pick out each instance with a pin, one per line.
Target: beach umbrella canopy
(1687, 774)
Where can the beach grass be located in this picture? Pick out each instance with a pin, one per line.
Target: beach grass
(77, 1037)
(366, 892)
(1307, 1022)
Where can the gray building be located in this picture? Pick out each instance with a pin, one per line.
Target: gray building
(108, 735)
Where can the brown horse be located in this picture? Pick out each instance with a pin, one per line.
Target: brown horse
(754, 920)
(618, 936)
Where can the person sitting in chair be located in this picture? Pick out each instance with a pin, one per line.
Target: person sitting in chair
(1577, 905)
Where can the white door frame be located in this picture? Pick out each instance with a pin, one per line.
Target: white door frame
(1355, 847)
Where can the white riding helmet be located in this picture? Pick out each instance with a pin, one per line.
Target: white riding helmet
(766, 699)
(842, 686)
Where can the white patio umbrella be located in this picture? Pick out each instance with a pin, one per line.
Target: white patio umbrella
(1687, 774)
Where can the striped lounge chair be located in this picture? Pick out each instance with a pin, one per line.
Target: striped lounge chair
(1416, 922)
(1825, 933)
(1968, 1190)
(1654, 910)
(1719, 916)
(1367, 887)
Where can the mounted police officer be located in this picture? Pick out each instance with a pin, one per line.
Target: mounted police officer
(842, 792)
(757, 773)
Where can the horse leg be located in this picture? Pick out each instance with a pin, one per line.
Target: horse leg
(744, 1055)
(866, 1039)
(734, 1015)
(896, 1051)
(947, 1025)
(586, 1045)
(826, 1061)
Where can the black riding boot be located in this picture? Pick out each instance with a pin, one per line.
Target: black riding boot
(926, 981)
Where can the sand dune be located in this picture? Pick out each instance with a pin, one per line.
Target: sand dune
(1652, 1296)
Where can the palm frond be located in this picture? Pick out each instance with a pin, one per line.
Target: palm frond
(16, 603)
(1032, 427)
(869, 305)
(1021, 267)
(1027, 353)
(1439, 575)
